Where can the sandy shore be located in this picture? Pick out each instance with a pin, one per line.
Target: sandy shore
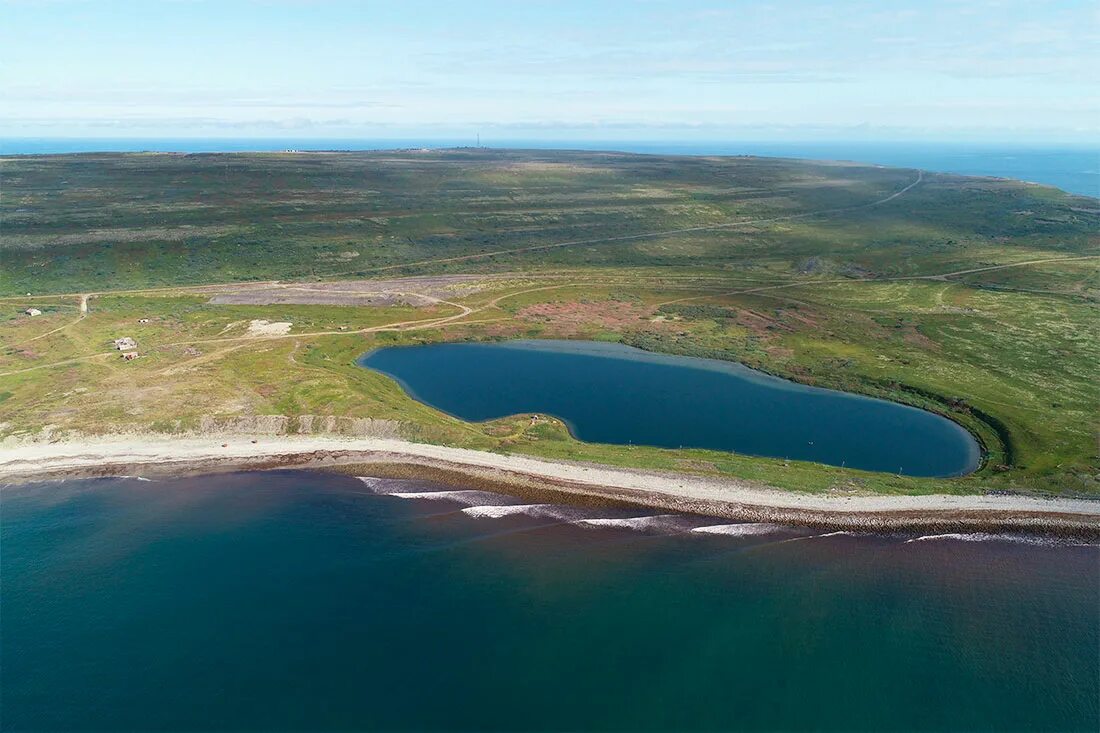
(730, 498)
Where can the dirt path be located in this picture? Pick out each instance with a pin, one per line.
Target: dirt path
(465, 310)
(942, 277)
(186, 366)
(413, 325)
(63, 362)
(533, 248)
(995, 267)
(83, 314)
(651, 235)
(495, 302)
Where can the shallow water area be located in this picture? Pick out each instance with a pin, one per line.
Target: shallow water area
(297, 600)
(610, 393)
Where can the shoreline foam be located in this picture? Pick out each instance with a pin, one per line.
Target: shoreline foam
(529, 477)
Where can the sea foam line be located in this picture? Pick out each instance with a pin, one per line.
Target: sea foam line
(745, 529)
(992, 537)
(841, 533)
(392, 487)
(659, 522)
(469, 498)
(509, 510)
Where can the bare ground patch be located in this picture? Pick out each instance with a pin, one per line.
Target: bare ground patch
(260, 327)
(128, 234)
(572, 316)
(411, 291)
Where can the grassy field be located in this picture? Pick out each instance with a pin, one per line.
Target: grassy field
(972, 297)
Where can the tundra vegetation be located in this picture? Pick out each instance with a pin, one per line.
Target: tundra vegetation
(241, 278)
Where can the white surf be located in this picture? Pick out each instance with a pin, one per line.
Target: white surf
(745, 529)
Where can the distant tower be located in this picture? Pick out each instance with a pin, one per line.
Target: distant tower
(479, 139)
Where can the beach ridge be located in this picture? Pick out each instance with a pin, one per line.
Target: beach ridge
(731, 498)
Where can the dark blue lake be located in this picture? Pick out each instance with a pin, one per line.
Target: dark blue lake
(610, 393)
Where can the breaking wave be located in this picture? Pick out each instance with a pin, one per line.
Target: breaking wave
(469, 498)
(538, 511)
(746, 529)
(840, 533)
(994, 537)
(656, 523)
(491, 505)
(405, 489)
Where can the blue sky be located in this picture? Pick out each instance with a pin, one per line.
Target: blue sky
(684, 70)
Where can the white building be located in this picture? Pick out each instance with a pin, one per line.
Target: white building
(125, 344)
(33, 312)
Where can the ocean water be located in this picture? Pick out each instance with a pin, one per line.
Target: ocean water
(611, 393)
(304, 601)
(1073, 168)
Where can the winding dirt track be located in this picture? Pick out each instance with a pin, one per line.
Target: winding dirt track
(651, 235)
(533, 248)
(465, 310)
(943, 277)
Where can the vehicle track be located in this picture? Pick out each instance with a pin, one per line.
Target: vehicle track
(942, 277)
(532, 248)
(466, 310)
(649, 235)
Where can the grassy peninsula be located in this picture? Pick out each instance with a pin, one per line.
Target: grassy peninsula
(251, 282)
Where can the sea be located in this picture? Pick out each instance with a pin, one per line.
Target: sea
(296, 600)
(1072, 168)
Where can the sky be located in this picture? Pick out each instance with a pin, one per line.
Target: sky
(1004, 71)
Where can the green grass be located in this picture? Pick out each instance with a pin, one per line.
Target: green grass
(1009, 353)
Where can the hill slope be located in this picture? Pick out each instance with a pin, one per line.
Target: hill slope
(972, 297)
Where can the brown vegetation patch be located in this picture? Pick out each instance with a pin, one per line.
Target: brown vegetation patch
(759, 323)
(121, 234)
(801, 318)
(572, 316)
(916, 338)
(413, 291)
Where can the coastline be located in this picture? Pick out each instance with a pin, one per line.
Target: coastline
(734, 499)
(739, 370)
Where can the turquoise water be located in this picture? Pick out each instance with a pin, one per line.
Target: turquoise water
(1073, 168)
(295, 601)
(610, 393)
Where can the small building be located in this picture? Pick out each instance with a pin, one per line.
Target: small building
(143, 320)
(125, 344)
(129, 356)
(33, 312)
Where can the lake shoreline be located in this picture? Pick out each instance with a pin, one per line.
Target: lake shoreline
(734, 499)
(590, 386)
